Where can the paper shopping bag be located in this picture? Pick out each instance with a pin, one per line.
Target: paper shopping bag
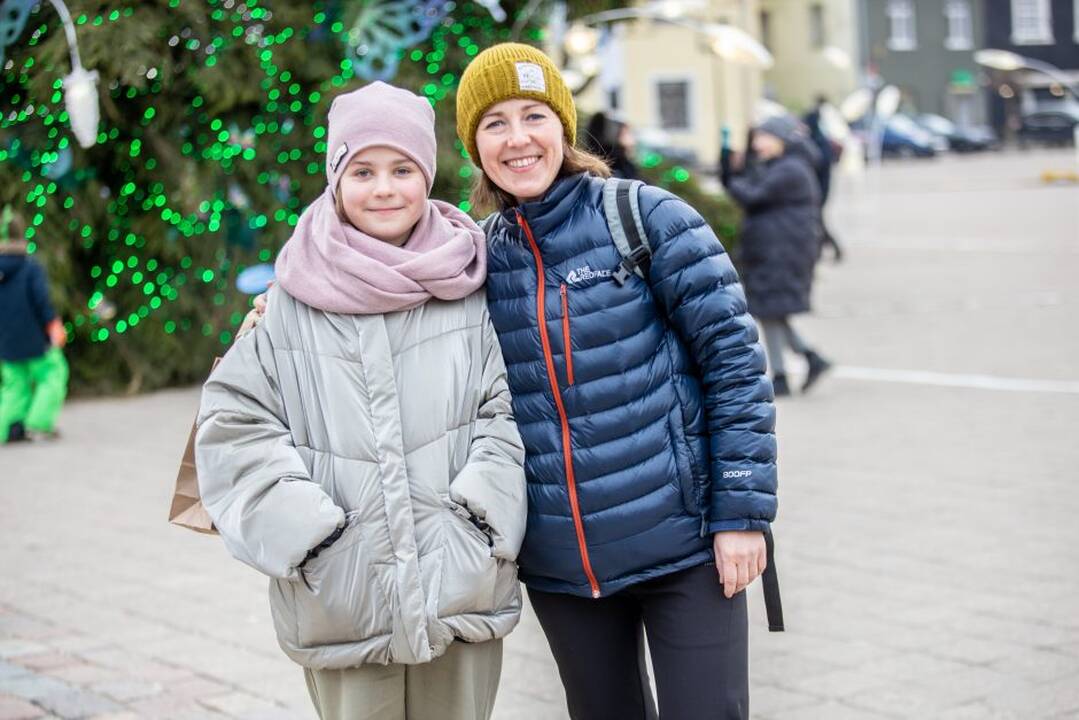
(187, 510)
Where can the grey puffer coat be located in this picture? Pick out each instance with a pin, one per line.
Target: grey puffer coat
(398, 427)
(780, 236)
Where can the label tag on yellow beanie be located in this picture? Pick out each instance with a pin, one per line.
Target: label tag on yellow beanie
(530, 77)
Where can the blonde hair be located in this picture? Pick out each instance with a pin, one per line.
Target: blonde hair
(486, 196)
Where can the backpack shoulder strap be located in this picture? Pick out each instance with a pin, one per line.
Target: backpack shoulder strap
(623, 212)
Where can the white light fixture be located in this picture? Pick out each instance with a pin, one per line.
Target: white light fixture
(1004, 60)
(80, 87)
(888, 101)
(838, 57)
(736, 45)
(857, 104)
(580, 40)
(80, 101)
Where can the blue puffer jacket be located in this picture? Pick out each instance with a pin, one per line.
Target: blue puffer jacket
(646, 416)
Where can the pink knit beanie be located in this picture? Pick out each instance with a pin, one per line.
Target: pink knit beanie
(380, 115)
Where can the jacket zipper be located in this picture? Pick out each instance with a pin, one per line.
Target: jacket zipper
(567, 450)
(566, 335)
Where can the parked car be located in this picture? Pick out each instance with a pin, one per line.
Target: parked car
(905, 138)
(1052, 127)
(956, 137)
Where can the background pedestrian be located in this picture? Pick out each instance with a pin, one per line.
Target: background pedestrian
(33, 370)
(779, 240)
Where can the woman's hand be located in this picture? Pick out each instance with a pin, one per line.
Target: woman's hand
(254, 317)
(741, 557)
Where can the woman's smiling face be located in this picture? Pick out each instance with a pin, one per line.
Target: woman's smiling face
(520, 147)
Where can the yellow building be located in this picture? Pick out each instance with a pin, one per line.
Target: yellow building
(814, 45)
(669, 84)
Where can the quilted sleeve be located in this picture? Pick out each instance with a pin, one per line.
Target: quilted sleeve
(697, 286)
(252, 480)
(492, 483)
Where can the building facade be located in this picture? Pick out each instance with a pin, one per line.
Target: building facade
(1044, 30)
(926, 49)
(671, 87)
(815, 46)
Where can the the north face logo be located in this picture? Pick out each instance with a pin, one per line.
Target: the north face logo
(585, 273)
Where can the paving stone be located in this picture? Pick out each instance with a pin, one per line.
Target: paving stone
(84, 673)
(242, 705)
(979, 711)
(12, 648)
(46, 661)
(163, 706)
(827, 710)
(14, 708)
(199, 687)
(127, 690)
(769, 699)
(8, 670)
(33, 687)
(1039, 665)
(76, 704)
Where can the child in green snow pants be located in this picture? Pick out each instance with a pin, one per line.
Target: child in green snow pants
(32, 392)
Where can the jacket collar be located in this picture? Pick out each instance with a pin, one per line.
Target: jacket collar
(553, 209)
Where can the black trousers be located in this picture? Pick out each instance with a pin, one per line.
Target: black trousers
(699, 642)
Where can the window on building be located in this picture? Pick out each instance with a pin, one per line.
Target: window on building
(817, 36)
(614, 98)
(1032, 22)
(673, 98)
(766, 28)
(960, 25)
(902, 34)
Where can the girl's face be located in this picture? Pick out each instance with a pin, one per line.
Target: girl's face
(520, 147)
(383, 193)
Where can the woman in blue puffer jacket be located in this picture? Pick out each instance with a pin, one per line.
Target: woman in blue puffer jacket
(644, 408)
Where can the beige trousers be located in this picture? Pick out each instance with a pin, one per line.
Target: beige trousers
(459, 685)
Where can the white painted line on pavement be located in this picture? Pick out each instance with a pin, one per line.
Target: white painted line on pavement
(981, 382)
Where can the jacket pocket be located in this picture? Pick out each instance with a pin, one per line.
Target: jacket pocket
(566, 334)
(469, 571)
(683, 461)
(343, 596)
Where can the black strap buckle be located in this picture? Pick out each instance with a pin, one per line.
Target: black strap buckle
(637, 257)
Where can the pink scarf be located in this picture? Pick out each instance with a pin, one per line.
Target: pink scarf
(332, 266)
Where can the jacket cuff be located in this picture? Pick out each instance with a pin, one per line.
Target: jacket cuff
(738, 524)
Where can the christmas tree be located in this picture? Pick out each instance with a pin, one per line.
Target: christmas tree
(211, 142)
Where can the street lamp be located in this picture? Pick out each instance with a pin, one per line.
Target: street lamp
(1007, 61)
(80, 87)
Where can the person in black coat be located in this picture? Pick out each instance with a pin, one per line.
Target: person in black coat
(612, 140)
(780, 237)
(824, 171)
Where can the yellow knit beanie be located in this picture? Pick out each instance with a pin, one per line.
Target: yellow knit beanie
(506, 71)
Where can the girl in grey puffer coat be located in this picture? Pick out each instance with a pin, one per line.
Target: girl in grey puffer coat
(358, 446)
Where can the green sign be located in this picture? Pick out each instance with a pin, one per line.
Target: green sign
(962, 78)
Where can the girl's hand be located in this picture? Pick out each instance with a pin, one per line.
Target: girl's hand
(740, 557)
(254, 317)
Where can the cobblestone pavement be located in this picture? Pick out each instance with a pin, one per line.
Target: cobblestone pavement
(928, 543)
